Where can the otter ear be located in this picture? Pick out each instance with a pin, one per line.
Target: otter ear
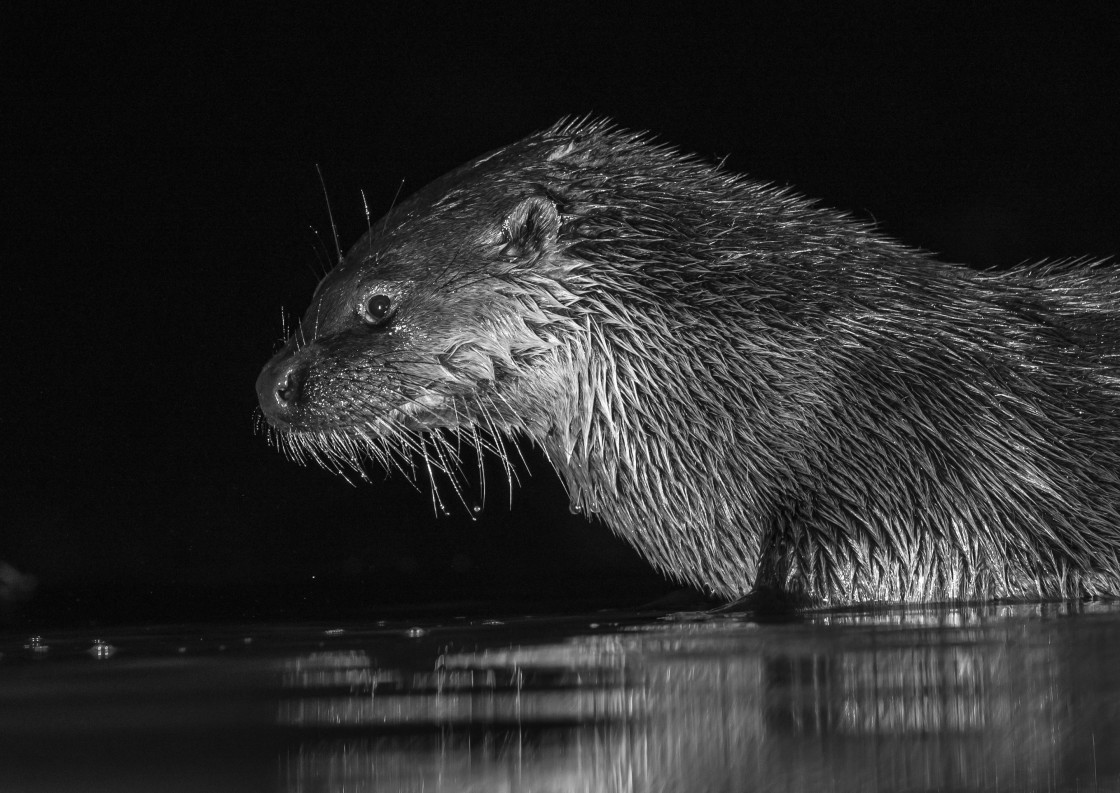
(530, 230)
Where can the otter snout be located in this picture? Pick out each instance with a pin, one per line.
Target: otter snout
(280, 387)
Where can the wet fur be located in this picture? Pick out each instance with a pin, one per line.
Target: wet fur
(754, 391)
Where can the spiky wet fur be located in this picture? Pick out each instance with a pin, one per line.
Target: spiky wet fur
(754, 391)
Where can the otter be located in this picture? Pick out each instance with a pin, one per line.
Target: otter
(760, 394)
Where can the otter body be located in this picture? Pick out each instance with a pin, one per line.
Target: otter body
(758, 393)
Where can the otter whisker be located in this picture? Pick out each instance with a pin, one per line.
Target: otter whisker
(330, 212)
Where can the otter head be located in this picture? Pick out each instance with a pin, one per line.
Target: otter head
(588, 291)
(445, 316)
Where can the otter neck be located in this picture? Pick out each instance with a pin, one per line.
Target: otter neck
(666, 470)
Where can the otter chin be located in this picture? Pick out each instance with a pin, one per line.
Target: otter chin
(760, 394)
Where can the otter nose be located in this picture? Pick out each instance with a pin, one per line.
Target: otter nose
(279, 387)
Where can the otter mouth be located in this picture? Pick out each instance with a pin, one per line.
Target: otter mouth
(418, 441)
(317, 415)
(299, 396)
(411, 418)
(342, 414)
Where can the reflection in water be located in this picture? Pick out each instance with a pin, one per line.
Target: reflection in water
(1022, 698)
(993, 698)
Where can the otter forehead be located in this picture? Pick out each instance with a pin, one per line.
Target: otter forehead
(446, 217)
(448, 223)
(486, 188)
(455, 220)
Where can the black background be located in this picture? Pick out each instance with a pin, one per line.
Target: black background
(161, 204)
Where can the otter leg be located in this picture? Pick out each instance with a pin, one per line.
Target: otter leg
(766, 601)
(792, 573)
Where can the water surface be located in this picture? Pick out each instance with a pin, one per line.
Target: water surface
(1015, 698)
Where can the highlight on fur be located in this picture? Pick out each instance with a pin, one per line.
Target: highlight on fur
(757, 392)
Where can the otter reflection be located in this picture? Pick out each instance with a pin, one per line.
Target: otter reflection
(990, 698)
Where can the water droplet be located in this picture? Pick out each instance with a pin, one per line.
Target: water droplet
(476, 508)
(575, 509)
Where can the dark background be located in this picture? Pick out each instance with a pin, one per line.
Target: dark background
(161, 204)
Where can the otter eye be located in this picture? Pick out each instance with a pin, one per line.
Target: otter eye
(377, 309)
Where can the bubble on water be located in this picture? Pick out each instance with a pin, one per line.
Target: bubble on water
(101, 650)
